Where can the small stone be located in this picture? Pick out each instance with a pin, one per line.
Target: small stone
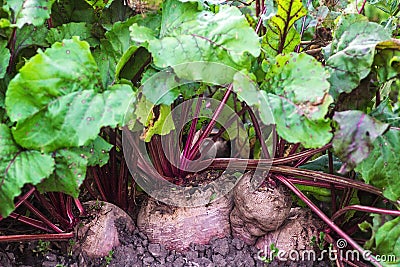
(148, 260)
(170, 258)
(204, 262)
(179, 262)
(51, 257)
(140, 250)
(237, 243)
(221, 246)
(219, 260)
(155, 249)
(142, 236)
(191, 255)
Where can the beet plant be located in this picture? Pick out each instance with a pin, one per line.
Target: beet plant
(303, 97)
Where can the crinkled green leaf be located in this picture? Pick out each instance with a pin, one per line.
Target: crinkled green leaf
(64, 68)
(18, 168)
(162, 88)
(73, 119)
(119, 36)
(354, 139)
(63, 106)
(69, 173)
(352, 52)
(388, 239)
(66, 31)
(299, 99)
(281, 36)
(30, 35)
(381, 168)
(107, 59)
(141, 34)
(30, 11)
(97, 152)
(5, 58)
(176, 13)
(189, 35)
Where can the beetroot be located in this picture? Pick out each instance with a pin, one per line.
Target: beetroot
(259, 210)
(99, 234)
(178, 227)
(294, 235)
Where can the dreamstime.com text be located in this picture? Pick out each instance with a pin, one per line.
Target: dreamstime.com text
(268, 255)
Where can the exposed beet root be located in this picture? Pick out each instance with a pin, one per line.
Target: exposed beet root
(259, 210)
(295, 234)
(98, 234)
(178, 227)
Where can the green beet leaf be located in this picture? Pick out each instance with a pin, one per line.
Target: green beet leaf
(189, 35)
(97, 151)
(297, 89)
(57, 102)
(281, 36)
(29, 36)
(354, 139)
(73, 119)
(387, 239)
(387, 60)
(5, 58)
(352, 52)
(30, 11)
(70, 172)
(107, 59)
(18, 168)
(67, 31)
(381, 168)
(64, 68)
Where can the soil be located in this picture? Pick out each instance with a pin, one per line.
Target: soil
(135, 250)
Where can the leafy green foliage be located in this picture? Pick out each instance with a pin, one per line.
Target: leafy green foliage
(354, 139)
(30, 11)
(97, 152)
(388, 238)
(352, 52)
(298, 95)
(17, 168)
(381, 167)
(281, 36)
(387, 60)
(5, 57)
(69, 174)
(189, 35)
(67, 31)
(64, 106)
(70, 68)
